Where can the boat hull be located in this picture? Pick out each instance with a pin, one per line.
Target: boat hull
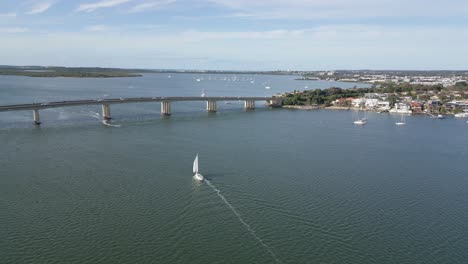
(198, 177)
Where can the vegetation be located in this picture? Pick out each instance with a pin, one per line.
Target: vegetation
(92, 72)
(320, 97)
(37, 71)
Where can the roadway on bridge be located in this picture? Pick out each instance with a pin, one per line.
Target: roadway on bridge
(38, 106)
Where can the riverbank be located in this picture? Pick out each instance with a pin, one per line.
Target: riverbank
(307, 107)
(52, 74)
(301, 107)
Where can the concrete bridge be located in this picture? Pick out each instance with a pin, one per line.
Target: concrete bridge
(249, 103)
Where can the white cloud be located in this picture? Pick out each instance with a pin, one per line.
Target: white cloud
(322, 47)
(153, 5)
(90, 7)
(98, 28)
(40, 7)
(7, 15)
(339, 9)
(193, 36)
(13, 30)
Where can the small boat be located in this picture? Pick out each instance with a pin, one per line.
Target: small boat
(197, 176)
(362, 121)
(267, 87)
(440, 116)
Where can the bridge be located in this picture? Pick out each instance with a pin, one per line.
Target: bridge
(249, 103)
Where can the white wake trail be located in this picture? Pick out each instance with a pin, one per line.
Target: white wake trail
(247, 226)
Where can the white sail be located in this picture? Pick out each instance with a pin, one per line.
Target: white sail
(402, 121)
(195, 165)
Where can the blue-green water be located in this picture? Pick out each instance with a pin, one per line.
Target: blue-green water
(298, 186)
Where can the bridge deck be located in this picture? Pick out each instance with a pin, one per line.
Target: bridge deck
(19, 107)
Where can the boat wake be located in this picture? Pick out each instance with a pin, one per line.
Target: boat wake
(105, 122)
(95, 115)
(247, 226)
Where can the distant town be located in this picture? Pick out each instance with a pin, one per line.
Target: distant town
(444, 78)
(444, 95)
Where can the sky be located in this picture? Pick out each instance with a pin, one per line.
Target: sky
(236, 34)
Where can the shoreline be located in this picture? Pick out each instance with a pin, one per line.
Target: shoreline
(301, 107)
(313, 107)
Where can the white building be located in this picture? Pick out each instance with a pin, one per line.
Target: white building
(358, 102)
(371, 103)
(383, 105)
(401, 108)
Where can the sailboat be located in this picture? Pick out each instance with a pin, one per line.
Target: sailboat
(361, 121)
(402, 121)
(196, 176)
(203, 93)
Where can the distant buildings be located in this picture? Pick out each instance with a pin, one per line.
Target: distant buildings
(443, 78)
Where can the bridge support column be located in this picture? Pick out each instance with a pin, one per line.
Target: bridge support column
(106, 112)
(37, 119)
(249, 104)
(165, 108)
(275, 102)
(211, 106)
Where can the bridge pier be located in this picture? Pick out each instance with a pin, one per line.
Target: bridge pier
(249, 104)
(165, 108)
(37, 119)
(211, 106)
(275, 102)
(106, 112)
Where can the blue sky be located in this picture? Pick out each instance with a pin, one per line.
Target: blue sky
(236, 34)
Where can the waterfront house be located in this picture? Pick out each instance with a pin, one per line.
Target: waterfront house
(343, 101)
(371, 103)
(460, 105)
(416, 107)
(432, 105)
(359, 102)
(380, 96)
(383, 105)
(401, 108)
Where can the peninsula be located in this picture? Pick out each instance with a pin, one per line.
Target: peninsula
(87, 72)
(98, 72)
(390, 97)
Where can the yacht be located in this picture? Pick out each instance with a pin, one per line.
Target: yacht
(197, 176)
(361, 121)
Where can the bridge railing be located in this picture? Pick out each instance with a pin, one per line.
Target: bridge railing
(249, 103)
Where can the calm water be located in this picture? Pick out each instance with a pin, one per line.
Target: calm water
(284, 186)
